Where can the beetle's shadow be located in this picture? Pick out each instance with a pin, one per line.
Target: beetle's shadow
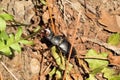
(47, 42)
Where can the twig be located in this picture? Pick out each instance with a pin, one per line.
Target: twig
(1, 77)
(98, 58)
(74, 35)
(9, 71)
(106, 45)
(72, 42)
(46, 69)
(50, 15)
(41, 67)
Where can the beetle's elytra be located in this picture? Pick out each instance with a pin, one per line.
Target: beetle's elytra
(61, 42)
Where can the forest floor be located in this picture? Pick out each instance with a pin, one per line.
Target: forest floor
(86, 24)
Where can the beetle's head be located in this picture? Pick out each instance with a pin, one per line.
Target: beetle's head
(48, 33)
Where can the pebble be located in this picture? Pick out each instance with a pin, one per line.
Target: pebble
(35, 66)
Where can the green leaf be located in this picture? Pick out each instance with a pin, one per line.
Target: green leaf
(37, 29)
(60, 60)
(6, 16)
(2, 44)
(114, 39)
(109, 73)
(96, 63)
(97, 70)
(16, 47)
(18, 34)
(43, 2)
(58, 74)
(26, 42)
(6, 51)
(52, 72)
(2, 24)
(4, 48)
(3, 35)
(69, 67)
(55, 55)
(115, 78)
(10, 40)
(62, 65)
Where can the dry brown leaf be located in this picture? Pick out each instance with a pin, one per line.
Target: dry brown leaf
(90, 15)
(45, 17)
(109, 21)
(114, 60)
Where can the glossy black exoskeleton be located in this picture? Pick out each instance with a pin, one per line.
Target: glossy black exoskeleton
(61, 42)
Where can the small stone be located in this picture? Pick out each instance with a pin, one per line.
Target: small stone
(35, 66)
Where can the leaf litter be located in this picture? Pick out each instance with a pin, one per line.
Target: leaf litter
(99, 20)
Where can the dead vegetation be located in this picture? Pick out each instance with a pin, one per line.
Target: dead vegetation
(87, 24)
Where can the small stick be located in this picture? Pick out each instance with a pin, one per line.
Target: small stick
(72, 42)
(98, 58)
(1, 77)
(46, 69)
(50, 15)
(9, 71)
(106, 45)
(74, 35)
(41, 67)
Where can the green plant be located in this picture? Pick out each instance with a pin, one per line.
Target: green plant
(99, 65)
(10, 42)
(114, 39)
(60, 61)
(43, 2)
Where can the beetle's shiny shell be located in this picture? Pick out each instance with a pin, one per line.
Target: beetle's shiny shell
(62, 43)
(65, 46)
(59, 41)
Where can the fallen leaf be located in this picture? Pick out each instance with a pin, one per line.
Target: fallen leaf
(110, 74)
(114, 60)
(95, 63)
(109, 21)
(90, 15)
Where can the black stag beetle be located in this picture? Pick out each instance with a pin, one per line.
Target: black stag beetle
(57, 40)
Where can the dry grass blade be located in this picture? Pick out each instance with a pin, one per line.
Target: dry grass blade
(9, 71)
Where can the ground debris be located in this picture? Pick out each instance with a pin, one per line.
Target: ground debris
(91, 21)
